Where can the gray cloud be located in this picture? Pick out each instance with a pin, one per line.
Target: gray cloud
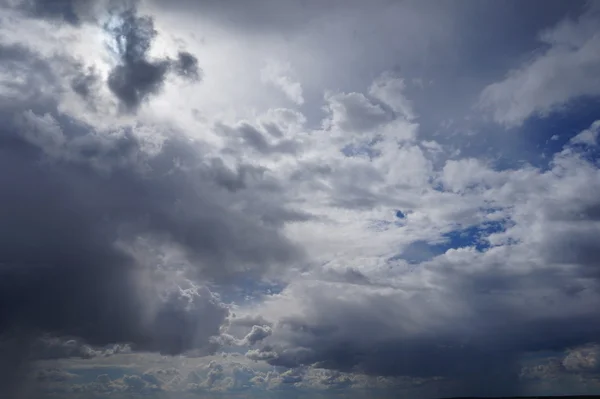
(245, 135)
(120, 238)
(261, 354)
(85, 220)
(37, 76)
(249, 321)
(62, 10)
(54, 375)
(257, 334)
(47, 347)
(136, 77)
(86, 83)
(128, 384)
(474, 314)
(465, 315)
(354, 112)
(369, 336)
(583, 359)
(186, 65)
(67, 216)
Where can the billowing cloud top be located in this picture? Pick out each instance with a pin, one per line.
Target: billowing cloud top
(299, 198)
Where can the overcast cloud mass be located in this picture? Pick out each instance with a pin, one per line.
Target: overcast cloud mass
(292, 199)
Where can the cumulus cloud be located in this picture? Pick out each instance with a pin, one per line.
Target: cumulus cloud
(257, 334)
(368, 327)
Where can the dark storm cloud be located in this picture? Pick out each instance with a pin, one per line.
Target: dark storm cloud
(479, 353)
(472, 332)
(62, 271)
(477, 369)
(186, 65)
(74, 199)
(136, 77)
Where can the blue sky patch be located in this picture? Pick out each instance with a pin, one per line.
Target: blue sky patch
(546, 136)
(474, 236)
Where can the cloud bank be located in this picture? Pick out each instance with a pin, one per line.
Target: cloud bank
(191, 207)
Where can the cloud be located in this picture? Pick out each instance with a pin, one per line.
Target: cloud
(356, 247)
(261, 354)
(249, 321)
(354, 112)
(564, 71)
(69, 11)
(257, 334)
(589, 136)
(186, 66)
(391, 91)
(47, 347)
(131, 384)
(126, 70)
(74, 248)
(245, 135)
(112, 234)
(279, 75)
(135, 77)
(54, 375)
(455, 316)
(586, 359)
(573, 370)
(86, 83)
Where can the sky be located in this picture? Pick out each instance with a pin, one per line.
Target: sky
(299, 198)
